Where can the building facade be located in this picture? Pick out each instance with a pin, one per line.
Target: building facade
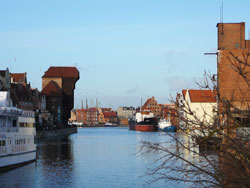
(58, 83)
(197, 105)
(151, 105)
(232, 65)
(125, 112)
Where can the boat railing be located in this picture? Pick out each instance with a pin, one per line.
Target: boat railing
(9, 129)
(28, 113)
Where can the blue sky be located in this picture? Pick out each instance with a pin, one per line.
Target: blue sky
(125, 50)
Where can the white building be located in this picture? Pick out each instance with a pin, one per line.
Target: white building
(125, 112)
(197, 106)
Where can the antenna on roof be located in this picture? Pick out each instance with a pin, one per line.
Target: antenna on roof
(221, 17)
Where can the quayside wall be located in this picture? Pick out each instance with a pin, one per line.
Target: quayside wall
(55, 133)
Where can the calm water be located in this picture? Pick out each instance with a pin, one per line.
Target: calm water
(92, 158)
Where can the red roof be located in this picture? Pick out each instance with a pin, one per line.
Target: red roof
(109, 114)
(147, 102)
(202, 95)
(18, 77)
(68, 72)
(184, 91)
(106, 109)
(52, 88)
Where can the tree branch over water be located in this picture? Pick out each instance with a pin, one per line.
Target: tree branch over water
(210, 151)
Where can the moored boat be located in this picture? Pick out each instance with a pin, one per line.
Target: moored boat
(17, 132)
(165, 125)
(148, 124)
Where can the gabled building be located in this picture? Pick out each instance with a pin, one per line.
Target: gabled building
(151, 105)
(19, 78)
(58, 83)
(202, 104)
(92, 116)
(54, 101)
(81, 116)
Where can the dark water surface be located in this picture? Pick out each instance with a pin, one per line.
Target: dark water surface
(92, 158)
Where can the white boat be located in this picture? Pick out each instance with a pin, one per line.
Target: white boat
(165, 125)
(110, 124)
(17, 133)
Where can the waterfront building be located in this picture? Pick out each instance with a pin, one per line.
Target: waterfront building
(81, 116)
(232, 73)
(125, 112)
(110, 117)
(202, 104)
(58, 84)
(101, 118)
(151, 105)
(92, 116)
(73, 117)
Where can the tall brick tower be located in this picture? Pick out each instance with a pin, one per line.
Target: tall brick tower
(233, 48)
(58, 83)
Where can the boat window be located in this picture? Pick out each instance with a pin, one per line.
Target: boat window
(2, 142)
(8, 121)
(2, 121)
(14, 123)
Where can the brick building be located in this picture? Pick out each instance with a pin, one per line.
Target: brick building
(81, 116)
(92, 116)
(233, 48)
(110, 117)
(151, 105)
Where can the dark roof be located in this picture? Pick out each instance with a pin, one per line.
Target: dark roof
(68, 72)
(2, 73)
(52, 89)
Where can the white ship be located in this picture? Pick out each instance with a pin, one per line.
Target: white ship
(17, 133)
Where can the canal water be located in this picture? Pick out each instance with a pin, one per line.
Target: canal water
(92, 158)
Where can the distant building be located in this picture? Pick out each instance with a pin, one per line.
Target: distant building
(81, 116)
(73, 116)
(101, 118)
(58, 84)
(19, 78)
(92, 116)
(110, 117)
(125, 112)
(5, 80)
(151, 105)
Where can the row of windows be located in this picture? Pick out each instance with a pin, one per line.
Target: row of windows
(2, 142)
(27, 125)
(20, 141)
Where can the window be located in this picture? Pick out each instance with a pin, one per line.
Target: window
(14, 122)
(2, 142)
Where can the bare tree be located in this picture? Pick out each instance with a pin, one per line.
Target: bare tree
(214, 152)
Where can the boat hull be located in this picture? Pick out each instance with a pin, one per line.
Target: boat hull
(141, 127)
(171, 128)
(12, 161)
